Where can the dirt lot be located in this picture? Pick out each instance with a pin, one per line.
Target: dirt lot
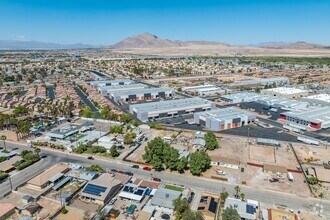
(49, 207)
(76, 203)
(72, 214)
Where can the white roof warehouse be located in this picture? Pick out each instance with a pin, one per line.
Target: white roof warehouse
(170, 108)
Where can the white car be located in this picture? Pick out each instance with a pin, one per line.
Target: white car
(112, 201)
(221, 172)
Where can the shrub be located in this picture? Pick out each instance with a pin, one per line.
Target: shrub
(64, 211)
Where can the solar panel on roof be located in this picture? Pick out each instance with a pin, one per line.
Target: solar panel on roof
(94, 189)
(213, 205)
(250, 209)
(139, 192)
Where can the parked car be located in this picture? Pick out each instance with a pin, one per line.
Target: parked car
(113, 171)
(147, 168)
(156, 179)
(120, 147)
(128, 173)
(120, 171)
(221, 172)
(90, 158)
(112, 201)
(43, 156)
(136, 166)
(273, 180)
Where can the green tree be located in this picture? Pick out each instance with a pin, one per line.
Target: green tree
(199, 162)
(116, 129)
(114, 152)
(86, 112)
(171, 157)
(4, 138)
(126, 118)
(230, 214)
(181, 165)
(211, 141)
(129, 138)
(242, 195)
(37, 151)
(237, 190)
(223, 196)
(95, 167)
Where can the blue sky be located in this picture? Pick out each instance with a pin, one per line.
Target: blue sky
(104, 22)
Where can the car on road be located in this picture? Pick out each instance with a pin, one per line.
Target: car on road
(156, 179)
(43, 156)
(112, 201)
(147, 168)
(113, 171)
(128, 173)
(136, 166)
(90, 158)
(15, 148)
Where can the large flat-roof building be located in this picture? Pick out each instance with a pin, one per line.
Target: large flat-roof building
(107, 90)
(203, 90)
(222, 119)
(260, 81)
(141, 94)
(271, 101)
(319, 99)
(314, 117)
(170, 108)
(115, 82)
(286, 92)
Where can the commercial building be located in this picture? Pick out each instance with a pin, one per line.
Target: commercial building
(170, 108)
(319, 99)
(163, 198)
(314, 117)
(141, 94)
(133, 192)
(102, 189)
(107, 90)
(246, 209)
(64, 132)
(222, 119)
(286, 92)
(115, 82)
(279, 81)
(267, 100)
(203, 90)
(50, 176)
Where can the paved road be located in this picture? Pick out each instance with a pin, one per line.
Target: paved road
(97, 73)
(262, 195)
(86, 101)
(50, 92)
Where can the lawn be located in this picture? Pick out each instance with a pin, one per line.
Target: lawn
(176, 188)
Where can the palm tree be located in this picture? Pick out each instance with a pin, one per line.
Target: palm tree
(242, 196)
(237, 189)
(3, 138)
(37, 151)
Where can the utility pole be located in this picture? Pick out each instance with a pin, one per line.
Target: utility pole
(249, 136)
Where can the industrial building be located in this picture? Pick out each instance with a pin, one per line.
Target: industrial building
(222, 119)
(115, 82)
(286, 92)
(106, 90)
(279, 81)
(267, 100)
(170, 108)
(314, 117)
(141, 94)
(319, 99)
(203, 90)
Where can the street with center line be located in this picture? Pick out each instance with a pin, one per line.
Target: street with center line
(265, 196)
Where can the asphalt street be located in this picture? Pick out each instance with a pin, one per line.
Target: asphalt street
(198, 183)
(86, 101)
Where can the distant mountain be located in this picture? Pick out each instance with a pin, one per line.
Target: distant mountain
(37, 45)
(296, 45)
(147, 40)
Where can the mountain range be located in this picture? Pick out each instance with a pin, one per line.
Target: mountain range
(37, 45)
(147, 40)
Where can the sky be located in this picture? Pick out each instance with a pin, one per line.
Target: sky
(105, 22)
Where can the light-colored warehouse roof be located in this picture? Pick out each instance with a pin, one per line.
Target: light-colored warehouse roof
(124, 87)
(321, 97)
(315, 114)
(110, 81)
(140, 91)
(224, 114)
(170, 105)
(286, 90)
